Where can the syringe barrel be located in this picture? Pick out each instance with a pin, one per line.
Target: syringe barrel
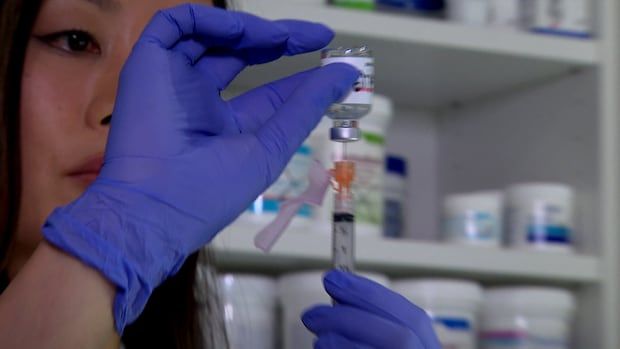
(343, 233)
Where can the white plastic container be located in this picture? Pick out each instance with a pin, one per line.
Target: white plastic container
(471, 12)
(452, 304)
(540, 216)
(473, 218)
(562, 17)
(395, 195)
(369, 156)
(298, 292)
(291, 183)
(526, 318)
(249, 308)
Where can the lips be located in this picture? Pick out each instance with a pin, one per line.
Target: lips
(88, 170)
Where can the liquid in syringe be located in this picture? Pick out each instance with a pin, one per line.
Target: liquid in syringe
(343, 233)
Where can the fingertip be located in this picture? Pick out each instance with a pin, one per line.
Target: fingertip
(310, 317)
(348, 71)
(305, 36)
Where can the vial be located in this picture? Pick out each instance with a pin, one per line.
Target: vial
(359, 101)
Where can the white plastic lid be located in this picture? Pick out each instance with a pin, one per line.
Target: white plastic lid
(247, 288)
(429, 293)
(541, 191)
(545, 301)
(310, 284)
(480, 200)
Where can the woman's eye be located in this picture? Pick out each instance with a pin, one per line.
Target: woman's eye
(75, 41)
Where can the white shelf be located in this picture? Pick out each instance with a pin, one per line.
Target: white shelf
(302, 250)
(446, 63)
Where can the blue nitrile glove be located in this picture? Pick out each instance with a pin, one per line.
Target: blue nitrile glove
(368, 315)
(180, 162)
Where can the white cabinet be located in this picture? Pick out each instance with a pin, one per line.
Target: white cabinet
(479, 108)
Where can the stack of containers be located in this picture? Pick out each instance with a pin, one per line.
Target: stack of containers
(536, 216)
(452, 305)
(249, 309)
(298, 292)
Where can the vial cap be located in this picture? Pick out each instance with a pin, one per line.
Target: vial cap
(345, 134)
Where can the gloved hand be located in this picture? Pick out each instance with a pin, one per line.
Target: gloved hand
(181, 163)
(368, 315)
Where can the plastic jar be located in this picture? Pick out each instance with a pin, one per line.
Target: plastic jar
(249, 309)
(395, 195)
(452, 304)
(526, 318)
(540, 216)
(298, 292)
(369, 156)
(473, 218)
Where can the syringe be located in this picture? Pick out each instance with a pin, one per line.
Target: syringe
(343, 229)
(345, 128)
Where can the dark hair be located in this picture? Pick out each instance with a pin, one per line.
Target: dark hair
(171, 317)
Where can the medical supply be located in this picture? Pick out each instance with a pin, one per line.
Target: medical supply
(563, 17)
(453, 305)
(506, 14)
(540, 216)
(473, 218)
(185, 172)
(357, 4)
(345, 128)
(249, 309)
(473, 12)
(291, 183)
(395, 195)
(346, 113)
(526, 318)
(298, 292)
(369, 157)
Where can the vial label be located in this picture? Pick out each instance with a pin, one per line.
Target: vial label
(364, 86)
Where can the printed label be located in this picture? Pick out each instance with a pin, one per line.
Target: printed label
(546, 223)
(472, 225)
(519, 340)
(364, 86)
(393, 218)
(455, 333)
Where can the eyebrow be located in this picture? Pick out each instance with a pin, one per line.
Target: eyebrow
(106, 5)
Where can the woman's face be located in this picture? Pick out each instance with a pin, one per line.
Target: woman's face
(71, 70)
